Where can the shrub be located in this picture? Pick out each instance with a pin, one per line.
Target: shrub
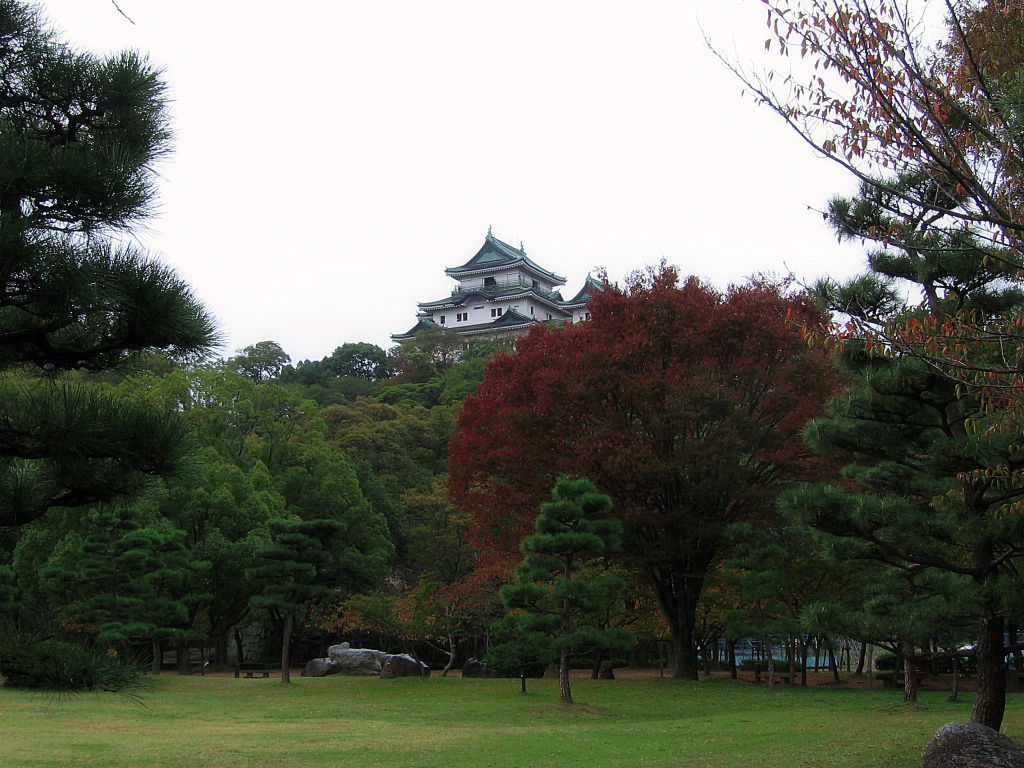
(32, 660)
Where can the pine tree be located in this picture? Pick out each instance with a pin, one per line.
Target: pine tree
(79, 139)
(924, 499)
(120, 580)
(554, 590)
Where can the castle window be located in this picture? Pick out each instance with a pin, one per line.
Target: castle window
(496, 312)
(442, 319)
(489, 281)
(462, 316)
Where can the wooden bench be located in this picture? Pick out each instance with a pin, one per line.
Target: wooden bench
(253, 674)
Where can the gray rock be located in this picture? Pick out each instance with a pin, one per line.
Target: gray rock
(971, 745)
(321, 668)
(402, 665)
(356, 661)
(476, 668)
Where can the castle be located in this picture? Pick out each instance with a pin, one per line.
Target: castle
(501, 293)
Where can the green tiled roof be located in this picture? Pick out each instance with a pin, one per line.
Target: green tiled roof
(423, 324)
(494, 254)
(590, 286)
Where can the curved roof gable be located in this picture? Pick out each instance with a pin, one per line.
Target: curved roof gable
(590, 286)
(495, 254)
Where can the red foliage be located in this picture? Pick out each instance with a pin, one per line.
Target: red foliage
(682, 403)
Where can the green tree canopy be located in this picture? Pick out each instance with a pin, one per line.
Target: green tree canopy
(554, 592)
(79, 138)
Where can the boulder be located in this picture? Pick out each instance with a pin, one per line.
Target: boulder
(971, 745)
(356, 661)
(321, 668)
(402, 665)
(476, 668)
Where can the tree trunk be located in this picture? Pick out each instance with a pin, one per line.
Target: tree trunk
(184, 658)
(832, 661)
(677, 598)
(909, 681)
(286, 642)
(452, 646)
(803, 664)
(870, 661)
(956, 679)
(158, 657)
(731, 651)
(564, 691)
(990, 703)
(860, 660)
(771, 668)
(220, 650)
(685, 657)
(238, 650)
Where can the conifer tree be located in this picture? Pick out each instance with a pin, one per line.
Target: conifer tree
(553, 590)
(79, 139)
(923, 497)
(120, 580)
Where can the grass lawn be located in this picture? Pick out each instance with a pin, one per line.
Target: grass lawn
(456, 723)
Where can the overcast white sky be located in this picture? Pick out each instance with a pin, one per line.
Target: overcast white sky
(332, 157)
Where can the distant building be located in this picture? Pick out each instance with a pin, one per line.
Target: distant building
(500, 292)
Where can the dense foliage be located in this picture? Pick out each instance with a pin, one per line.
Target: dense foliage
(79, 137)
(929, 432)
(681, 403)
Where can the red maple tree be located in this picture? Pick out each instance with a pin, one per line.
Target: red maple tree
(682, 403)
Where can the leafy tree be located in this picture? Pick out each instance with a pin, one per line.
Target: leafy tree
(331, 542)
(261, 361)
(951, 110)
(427, 354)
(890, 104)
(265, 459)
(428, 614)
(934, 134)
(553, 592)
(780, 578)
(405, 445)
(79, 137)
(440, 533)
(683, 404)
(359, 360)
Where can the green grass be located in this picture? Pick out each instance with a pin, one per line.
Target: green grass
(455, 723)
